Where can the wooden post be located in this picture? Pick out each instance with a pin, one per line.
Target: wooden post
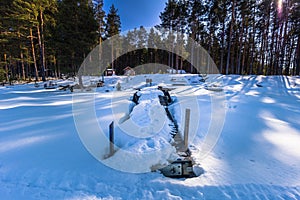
(186, 128)
(111, 139)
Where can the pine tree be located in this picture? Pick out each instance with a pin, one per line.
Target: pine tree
(100, 17)
(112, 30)
(169, 16)
(113, 22)
(232, 24)
(169, 22)
(75, 34)
(295, 20)
(35, 15)
(154, 43)
(7, 37)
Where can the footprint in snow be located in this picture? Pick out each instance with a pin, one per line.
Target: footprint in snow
(231, 106)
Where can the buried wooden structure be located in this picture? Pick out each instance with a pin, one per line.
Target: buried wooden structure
(183, 167)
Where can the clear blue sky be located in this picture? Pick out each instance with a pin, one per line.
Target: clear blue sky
(136, 13)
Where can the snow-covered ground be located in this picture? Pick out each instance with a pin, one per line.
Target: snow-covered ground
(48, 152)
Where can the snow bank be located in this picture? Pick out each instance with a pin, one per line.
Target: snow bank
(149, 128)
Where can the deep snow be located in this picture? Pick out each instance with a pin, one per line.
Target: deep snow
(256, 157)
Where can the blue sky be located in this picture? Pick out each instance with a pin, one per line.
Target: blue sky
(135, 13)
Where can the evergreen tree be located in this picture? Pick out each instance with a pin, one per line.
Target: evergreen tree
(232, 24)
(100, 17)
(113, 22)
(7, 37)
(76, 33)
(154, 42)
(112, 30)
(34, 15)
(295, 21)
(169, 17)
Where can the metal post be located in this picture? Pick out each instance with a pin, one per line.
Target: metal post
(111, 139)
(186, 128)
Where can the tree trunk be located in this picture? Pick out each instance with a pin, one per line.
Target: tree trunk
(6, 68)
(112, 54)
(33, 55)
(39, 28)
(22, 66)
(222, 47)
(276, 54)
(192, 53)
(41, 53)
(230, 36)
(252, 46)
(172, 56)
(297, 57)
(278, 64)
(43, 43)
(271, 67)
(100, 64)
(246, 46)
(176, 57)
(55, 68)
(241, 43)
(288, 56)
(284, 45)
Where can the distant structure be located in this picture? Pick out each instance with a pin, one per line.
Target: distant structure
(109, 72)
(174, 71)
(128, 71)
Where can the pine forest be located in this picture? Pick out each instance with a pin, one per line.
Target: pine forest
(48, 38)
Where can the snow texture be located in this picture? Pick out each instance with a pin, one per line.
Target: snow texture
(256, 157)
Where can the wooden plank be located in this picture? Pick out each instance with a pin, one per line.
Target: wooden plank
(111, 139)
(186, 128)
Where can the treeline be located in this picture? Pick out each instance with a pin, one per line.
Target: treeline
(41, 38)
(242, 36)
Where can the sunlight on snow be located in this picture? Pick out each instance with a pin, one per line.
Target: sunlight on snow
(268, 100)
(252, 93)
(10, 145)
(10, 105)
(285, 138)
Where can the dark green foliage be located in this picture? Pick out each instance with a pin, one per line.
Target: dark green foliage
(75, 33)
(50, 37)
(100, 17)
(113, 22)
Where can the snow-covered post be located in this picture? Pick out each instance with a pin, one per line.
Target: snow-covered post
(118, 87)
(186, 128)
(111, 139)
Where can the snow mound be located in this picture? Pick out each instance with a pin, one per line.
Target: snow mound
(150, 141)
